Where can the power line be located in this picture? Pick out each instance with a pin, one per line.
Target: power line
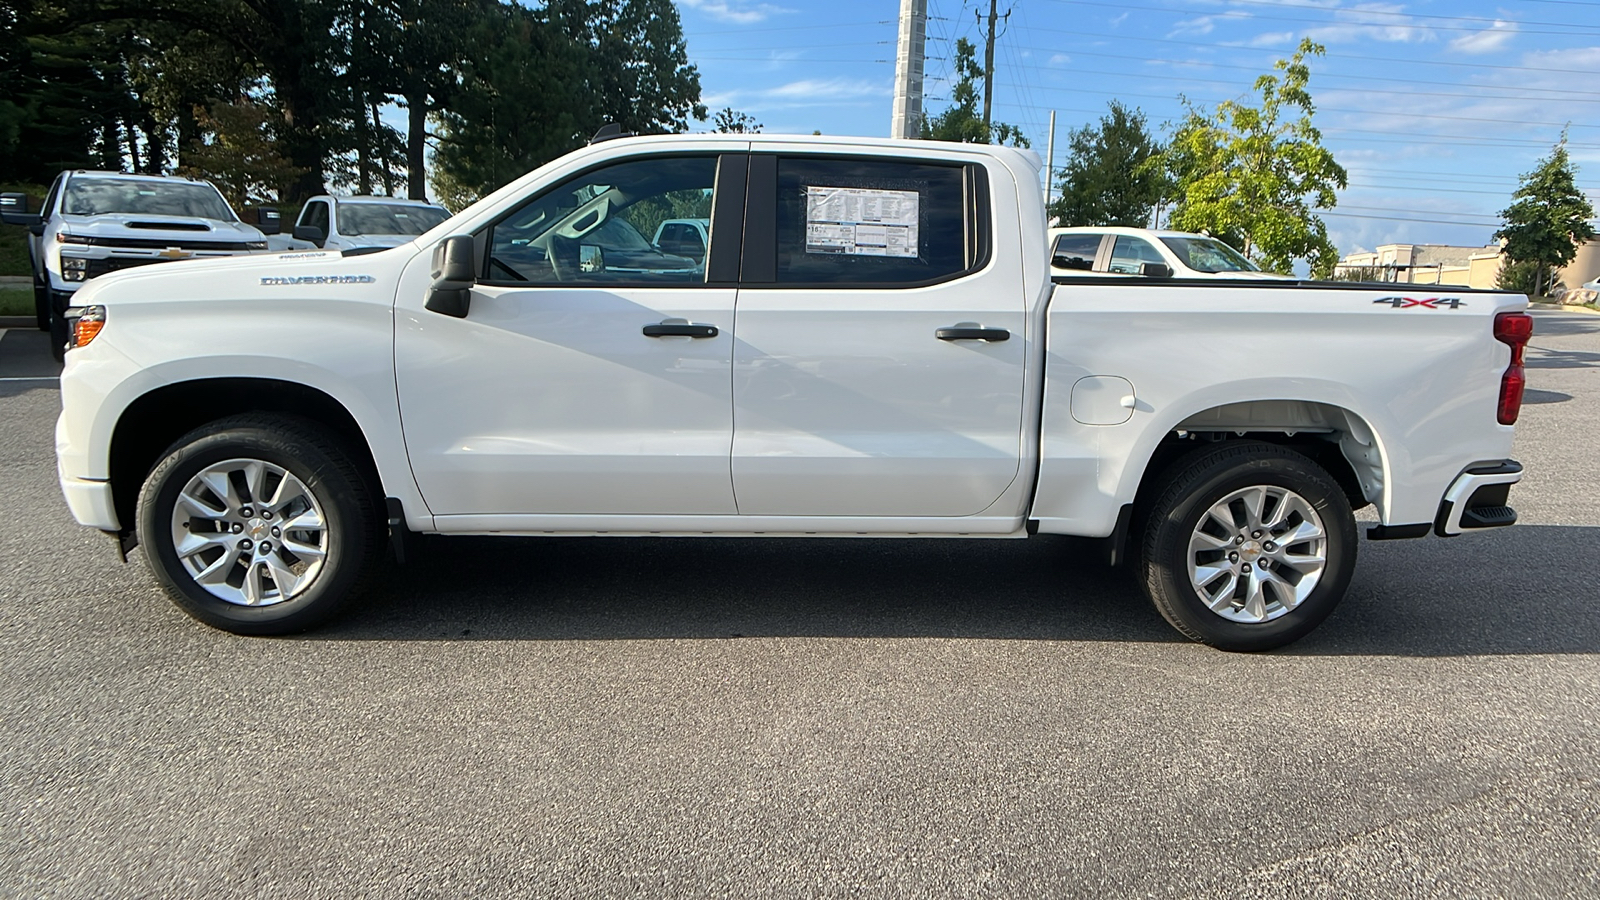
(1409, 17)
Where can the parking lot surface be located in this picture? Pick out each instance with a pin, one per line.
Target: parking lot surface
(749, 718)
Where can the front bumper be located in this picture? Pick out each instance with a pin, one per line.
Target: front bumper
(90, 503)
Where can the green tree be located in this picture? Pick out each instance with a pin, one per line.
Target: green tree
(1252, 175)
(541, 81)
(962, 122)
(1525, 277)
(1547, 219)
(729, 121)
(240, 153)
(1113, 174)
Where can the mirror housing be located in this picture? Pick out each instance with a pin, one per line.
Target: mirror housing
(310, 233)
(1155, 270)
(268, 221)
(14, 211)
(591, 258)
(453, 276)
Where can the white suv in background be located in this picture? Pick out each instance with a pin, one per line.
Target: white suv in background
(94, 223)
(1143, 252)
(354, 223)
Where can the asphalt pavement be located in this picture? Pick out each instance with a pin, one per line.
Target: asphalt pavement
(779, 718)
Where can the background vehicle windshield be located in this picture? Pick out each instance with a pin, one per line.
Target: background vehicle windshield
(102, 196)
(1208, 255)
(387, 218)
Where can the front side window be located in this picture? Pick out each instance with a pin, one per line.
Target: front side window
(853, 221)
(387, 218)
(1209, 255)
(1075, 251)
(1129, 255)
(316, 215)
(596, 228)
(90, 196)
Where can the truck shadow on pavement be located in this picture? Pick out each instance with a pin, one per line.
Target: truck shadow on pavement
(1526, 590)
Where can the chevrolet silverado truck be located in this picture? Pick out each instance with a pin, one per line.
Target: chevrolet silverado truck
(355, 223)
(93, 223)
(871, 346)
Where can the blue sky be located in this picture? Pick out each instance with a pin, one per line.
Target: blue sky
(1433, 107)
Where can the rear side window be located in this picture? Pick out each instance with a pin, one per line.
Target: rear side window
(1075, 251)
(1130, 254)
(875, 222)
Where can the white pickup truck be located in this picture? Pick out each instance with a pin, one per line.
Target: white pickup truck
(871, 346)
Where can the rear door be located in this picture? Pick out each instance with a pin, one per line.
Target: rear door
(879, 364)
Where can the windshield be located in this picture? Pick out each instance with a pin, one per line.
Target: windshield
(387, 218)
(103, 196)
(1209, 255)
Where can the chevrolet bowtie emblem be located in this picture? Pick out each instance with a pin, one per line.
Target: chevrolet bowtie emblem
(174, 253)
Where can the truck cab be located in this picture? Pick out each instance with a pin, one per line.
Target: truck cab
(328, 222)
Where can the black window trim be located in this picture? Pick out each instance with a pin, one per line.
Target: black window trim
(761, 219)
(730, 166)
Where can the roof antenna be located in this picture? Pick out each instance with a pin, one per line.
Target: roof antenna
(608, 131)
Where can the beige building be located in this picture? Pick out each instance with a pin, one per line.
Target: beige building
(1474, 267)
(1426, 264)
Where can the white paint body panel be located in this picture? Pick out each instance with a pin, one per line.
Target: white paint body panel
(546, 411)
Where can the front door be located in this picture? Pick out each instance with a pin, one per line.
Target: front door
(592, 372)
(879, 369)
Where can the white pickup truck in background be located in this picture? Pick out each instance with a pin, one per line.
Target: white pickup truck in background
(355, 223)
(92, 223)
(871, 345)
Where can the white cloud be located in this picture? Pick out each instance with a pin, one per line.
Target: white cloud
(1384, 22)
(1119, 20)
(827, 89)
(1059, 59)
(735, 11)
(1488, 40)
(1196, 26)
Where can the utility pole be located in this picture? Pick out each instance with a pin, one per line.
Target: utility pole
(988, 59)
(1050, 164)
(908, 69)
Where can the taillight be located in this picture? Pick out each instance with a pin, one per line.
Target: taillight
(1513, 330)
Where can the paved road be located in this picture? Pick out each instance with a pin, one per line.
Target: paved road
(790, 718)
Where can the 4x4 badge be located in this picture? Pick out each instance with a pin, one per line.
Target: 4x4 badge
(1429, 303)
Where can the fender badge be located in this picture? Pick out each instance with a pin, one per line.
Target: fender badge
(1427, 303)
(316, 279)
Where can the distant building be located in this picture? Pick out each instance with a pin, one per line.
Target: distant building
(1425, 264)
(1474, 267)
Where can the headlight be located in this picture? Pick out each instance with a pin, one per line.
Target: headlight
(74, 262)
(90, 321)
(63, 238)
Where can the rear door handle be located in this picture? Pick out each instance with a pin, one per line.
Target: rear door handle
(680, 329)
(972, 333)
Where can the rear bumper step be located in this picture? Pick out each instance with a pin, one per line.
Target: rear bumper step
(1477, 499)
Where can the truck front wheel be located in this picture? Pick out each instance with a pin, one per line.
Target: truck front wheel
(1248, 546)
(259, 524)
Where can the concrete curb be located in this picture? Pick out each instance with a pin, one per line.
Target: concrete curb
(1581, 310)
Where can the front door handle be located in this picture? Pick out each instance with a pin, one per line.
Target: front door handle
(965, 332)
(680, 329)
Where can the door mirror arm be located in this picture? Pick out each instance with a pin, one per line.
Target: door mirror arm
(453, 277)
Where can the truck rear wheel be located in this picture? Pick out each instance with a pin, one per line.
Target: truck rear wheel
(1248, 546)
(259, 524)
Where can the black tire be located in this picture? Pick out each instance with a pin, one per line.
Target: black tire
(58, 328)
(1190, 489)
(41, 302)
(352, 528)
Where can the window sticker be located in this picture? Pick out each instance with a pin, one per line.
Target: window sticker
(861, 221)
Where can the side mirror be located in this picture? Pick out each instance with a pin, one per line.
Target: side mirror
(268, 221)
(14, 211)
(453, 276)
(591, 258)
(310, 233)
(1155, 270)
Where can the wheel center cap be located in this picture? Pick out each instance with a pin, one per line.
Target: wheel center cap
(1250, 551)
(257, 529)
